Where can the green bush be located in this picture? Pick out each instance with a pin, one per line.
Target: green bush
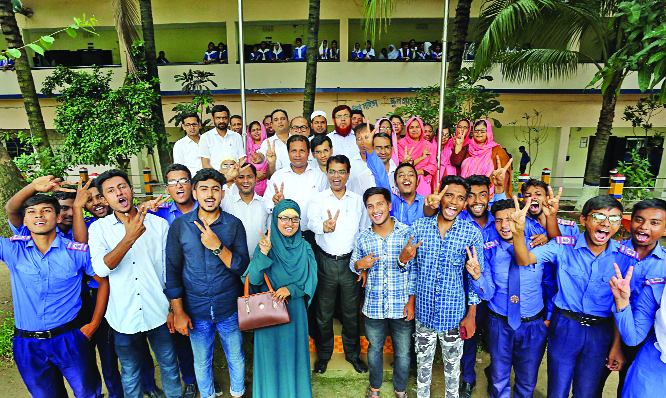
(637, 174)
(6, 335)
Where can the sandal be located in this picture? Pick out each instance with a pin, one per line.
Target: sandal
(403, 395)
(369, 393)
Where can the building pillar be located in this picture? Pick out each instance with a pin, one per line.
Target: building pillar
(232, 39)
(560, 157)
(343, 44)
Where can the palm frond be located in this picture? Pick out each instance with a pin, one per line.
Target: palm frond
(537, 64)
(127, 17)
(377, 13)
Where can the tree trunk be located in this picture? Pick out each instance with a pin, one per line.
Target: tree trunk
(151, 63)
(313, 54)
(11, 181)
(26, 83)
(604, 127)
(457, 48)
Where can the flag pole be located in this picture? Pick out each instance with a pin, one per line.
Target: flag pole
(241, 48)
(442, 92)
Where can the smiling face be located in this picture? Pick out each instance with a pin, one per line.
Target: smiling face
(599, 233)
(502, 224)
(453, 202)
(385, 127)
(255, 132)
(268, 125)
(322, 153)
(446, 134)
(66, 214)
(41, 219)
(647, 226)
(477, 201)
(180, 193)
(480, 133)
(462, 128)
(319, 125)
(428, 133)
(414, 130)
(397, 125)
(209, 194)
(534, 197)
(246, 181)
(280, 123)
(378, 209)
(96, 204)
(356, 119)
(227, 164)
(405, 180)
(383, 148)
(298, 153)
(287, 228)
(221, 120)
(236, 125)
(337, 176)
(118, 194)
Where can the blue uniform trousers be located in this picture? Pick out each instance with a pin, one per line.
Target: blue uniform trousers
(185, 356)
(522, 348)
(468, 360)
(43, 362)
(577, 354)
(630, 353)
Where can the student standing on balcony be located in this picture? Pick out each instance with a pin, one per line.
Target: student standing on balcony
(334, 52)
(161, 59)
(211, 55)
(264, 53)
(277, 54)
(222, 53)
(324, 52)
(393, 53)
(420, 54)
(357, 53)
(221, 141)
(437, 54)
(300, 51)
(369, 52)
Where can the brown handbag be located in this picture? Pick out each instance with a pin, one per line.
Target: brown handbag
(258, 311)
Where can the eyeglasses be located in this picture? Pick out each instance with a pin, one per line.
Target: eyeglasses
(599, 218)
(480, 131)
(341, 117)
(173, 183)
(384, 128)
(299, 128)
(189, 125)
(294, 220)
(341, 173)
(226, 166)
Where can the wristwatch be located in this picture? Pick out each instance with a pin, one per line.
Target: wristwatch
(218, 250)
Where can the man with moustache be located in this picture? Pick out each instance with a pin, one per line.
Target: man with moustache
(319, 122)
(128, 246)
(344, 140)
(186, 149)
(441, 312)
(268, 125)
(334, 215)
(274, 149)
(299, 125)
(236, 124)
(208, 245)
(357, 117)
(247, 206)
(220, 141)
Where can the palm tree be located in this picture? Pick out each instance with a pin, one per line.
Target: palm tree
(312, 55)
(541, 40)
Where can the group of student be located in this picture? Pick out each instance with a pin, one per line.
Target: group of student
(339, 214)
(213, 55)
(263, 53)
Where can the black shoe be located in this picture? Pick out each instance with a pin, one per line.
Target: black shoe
(359, 366)
(320, 366)
(466, 389)
(190, 391)
(486, 371)
(218, 388)
(156, 393)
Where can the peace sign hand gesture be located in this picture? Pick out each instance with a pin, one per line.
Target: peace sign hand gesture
(552, 204)
(329, 225)
(434, 199)
(366, 262)
(82, 194)
(409, 251)
(208, 238)
(517, 219)
(265, 242)
(498, 176)
(621, 287)
(154, 204)
(367, 136)
(279, 195)
(270, 153)
(473, 266)
(408, 156)
(51, 184)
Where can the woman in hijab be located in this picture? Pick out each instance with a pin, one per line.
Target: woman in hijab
(426, 49)
(277, 54)
(413, 148)
(393, 53)
(446, 168)
(256, 134)
(478, 155)
(384, 125)
(324, 50)
(282, 352)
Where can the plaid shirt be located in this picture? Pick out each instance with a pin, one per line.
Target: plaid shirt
(386, 292)
(439, 266)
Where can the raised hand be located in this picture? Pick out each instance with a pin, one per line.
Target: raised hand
(279, 195)
(367, 136)
(366, 263)
(155, 204)
(265, 242)
(329, 225)
(256, 159)
(51, 184)
(433, 200)
(271, 157)
(208, 238)
(498, 176)
(231, 172)
(409, 251)
(517, 219)
(459, 140)
(408, 156)
(473, 266)
(538, 240)
(552, 204)
(82, 194)
(621, 287)
(134, 228)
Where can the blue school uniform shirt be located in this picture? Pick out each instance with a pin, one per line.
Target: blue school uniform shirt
(652, 266)
(23, 230)
(210, 56)
(488, 230)
(582, 278)
(222, 56)
(46, 287)
(170, 211)
(333, 55)
(279, 55)
(355, 54)
(300, 52)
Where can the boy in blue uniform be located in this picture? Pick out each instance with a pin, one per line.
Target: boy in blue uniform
(516, 309)
(648, 223)
(46, 271)
(581, 329)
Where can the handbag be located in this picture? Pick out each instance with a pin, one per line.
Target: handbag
(256, 311)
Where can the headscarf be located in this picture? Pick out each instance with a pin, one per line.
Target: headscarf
(446, 168)
(293, 259)
(480, 160)
(469, 130)
(394, 139)
(426, 48)
(335, 121)
(252, 148)
(419, 146)
(318, 113)
(279, 49)
(393, 54)
(322, 50)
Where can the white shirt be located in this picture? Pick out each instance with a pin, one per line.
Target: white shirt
(186, 152)
(213, 146)
(347, 227)
(281, 153)
(230, 189)
(370, 53)
(254, 217)
(136, 302)
(344, 145)
(362, 178)
(297, 187)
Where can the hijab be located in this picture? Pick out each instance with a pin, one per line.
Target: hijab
(469, 130)
(323, 51)
(279, 51)
(293, 259)
(406, 143)
(446, 168)
(394, 139)
(480, 160)
(393, 54)
(426, 48)
(251, 149)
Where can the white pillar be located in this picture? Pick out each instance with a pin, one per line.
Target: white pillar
(560, 157)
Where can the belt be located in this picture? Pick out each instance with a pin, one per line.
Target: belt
(47, 334)
(540, 315)
(584, 319)
(334, 257)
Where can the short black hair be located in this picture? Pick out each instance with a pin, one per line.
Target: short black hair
(504, 204)
(208, 174)
(279, 110)
(478, 179)
(381, 135)
(254, 169)
(61, 195)
(357, 112)
(99, 181)
(299, 39)
(191, 114)
(219, 108)
(368, 42)
(360, 126)
(601, 202)
(38, 199)
(267, 116)
(376, 191)
(533, 182)
(236, 117)
(177, 167)
(400, 166)
(455, 180)
(342, 159)
(298, 138)
(653, 203)
(334, 41)
(521, 148)
(396, 116)
(319, 139)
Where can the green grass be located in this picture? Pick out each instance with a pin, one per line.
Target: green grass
(6, 335)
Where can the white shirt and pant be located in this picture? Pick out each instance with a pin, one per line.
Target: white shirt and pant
(186, 152)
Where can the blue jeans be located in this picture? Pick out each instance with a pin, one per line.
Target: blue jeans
(202, 337)
(401, 337)
(129, 349)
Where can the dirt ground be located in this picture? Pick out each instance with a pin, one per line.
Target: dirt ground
(322, 386)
